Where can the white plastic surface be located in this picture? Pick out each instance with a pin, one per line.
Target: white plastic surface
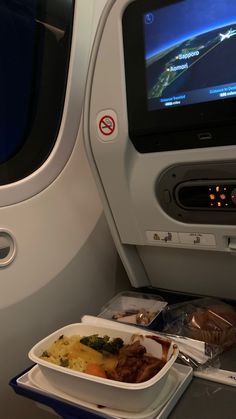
(135, 396)
(129, 177)
(127, 182)
(64, 250)
(50, 227)
(218, 376)
(179, 378)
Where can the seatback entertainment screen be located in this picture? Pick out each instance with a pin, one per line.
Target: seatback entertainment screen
(180, 71)
(190, 53)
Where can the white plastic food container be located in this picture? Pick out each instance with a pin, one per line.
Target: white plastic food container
(142, 309)
(102, 391)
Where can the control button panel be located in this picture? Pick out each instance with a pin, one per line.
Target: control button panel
(200, 193)
(210, 196)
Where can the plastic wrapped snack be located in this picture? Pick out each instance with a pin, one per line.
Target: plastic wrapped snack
(205, 319)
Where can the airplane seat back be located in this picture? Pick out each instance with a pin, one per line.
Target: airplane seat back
(164, 160)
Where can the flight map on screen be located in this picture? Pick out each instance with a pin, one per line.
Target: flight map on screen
(190, 53)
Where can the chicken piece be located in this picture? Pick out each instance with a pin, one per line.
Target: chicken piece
(150, 367)
(134, 366)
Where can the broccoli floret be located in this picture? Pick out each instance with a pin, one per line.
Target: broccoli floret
(95, 342)
(113, 346)
(102, 344)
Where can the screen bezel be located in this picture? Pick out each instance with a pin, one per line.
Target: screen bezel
(155, 130)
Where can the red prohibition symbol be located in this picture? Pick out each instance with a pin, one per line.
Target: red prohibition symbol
(107, 125)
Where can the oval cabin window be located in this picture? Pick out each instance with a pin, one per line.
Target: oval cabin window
(35, 38)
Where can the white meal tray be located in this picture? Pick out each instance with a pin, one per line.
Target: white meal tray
(179, 378)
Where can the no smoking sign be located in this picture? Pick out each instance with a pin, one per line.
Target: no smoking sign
(107, 125)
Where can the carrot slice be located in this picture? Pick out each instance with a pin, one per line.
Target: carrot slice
(95, 369)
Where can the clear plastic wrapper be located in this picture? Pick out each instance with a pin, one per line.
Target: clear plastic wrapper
(205, 319)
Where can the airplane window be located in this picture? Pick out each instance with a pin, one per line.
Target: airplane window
(35, 37)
